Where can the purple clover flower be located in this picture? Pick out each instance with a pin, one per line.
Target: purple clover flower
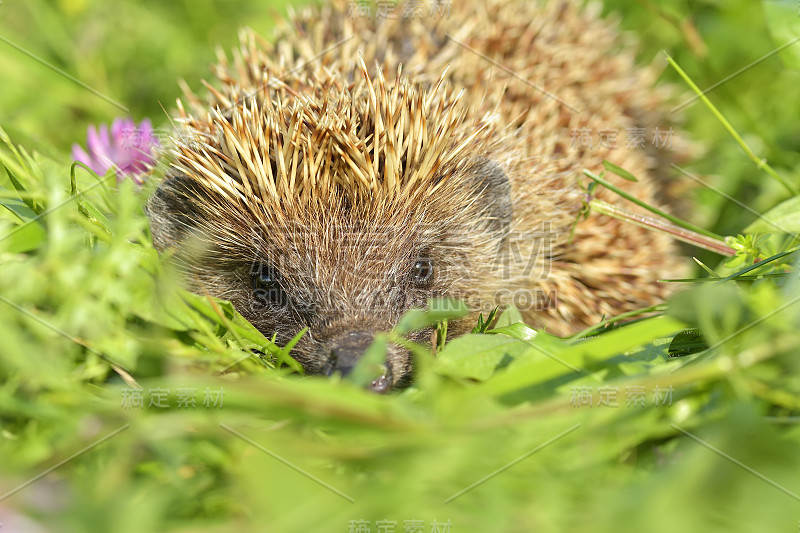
(128, 148)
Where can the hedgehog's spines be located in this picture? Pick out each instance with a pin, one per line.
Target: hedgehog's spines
(380, 133)
(315, 134)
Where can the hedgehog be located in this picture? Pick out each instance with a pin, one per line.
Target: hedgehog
(361, 163)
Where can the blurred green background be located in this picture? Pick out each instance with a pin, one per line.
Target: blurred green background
(85, 301)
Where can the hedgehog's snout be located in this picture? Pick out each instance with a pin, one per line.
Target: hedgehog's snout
(346, 351)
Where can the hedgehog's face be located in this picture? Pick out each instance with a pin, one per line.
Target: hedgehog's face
(346, 282)
(344, 273)
(337, 211)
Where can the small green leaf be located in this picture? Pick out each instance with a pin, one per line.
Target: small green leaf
(94, 216)
(478, 356)
(441, 335)
(510, 316)
(283, 355)
(438, 310)
(783, 218)
(484, 325)
(372, 363)
(619, 171)
(686, 343)
(20, 209)
(23, 238)
(35, 207)
(518, 330)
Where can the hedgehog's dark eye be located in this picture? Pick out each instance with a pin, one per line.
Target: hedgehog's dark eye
(422, 271)
(266, 283)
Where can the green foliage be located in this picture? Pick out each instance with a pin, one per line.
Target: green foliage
(747, 250)
(640, 423)
(482, 324)
(783, 21)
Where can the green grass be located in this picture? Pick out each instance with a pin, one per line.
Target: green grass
(496, 434)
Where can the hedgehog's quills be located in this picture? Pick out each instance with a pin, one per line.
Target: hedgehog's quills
(320, 186)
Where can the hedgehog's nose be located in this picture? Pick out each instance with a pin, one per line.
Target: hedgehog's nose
(347, 350)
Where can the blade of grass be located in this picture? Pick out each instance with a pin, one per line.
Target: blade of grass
(675, 220)
(690, 237)
(588, 331)
(706, 268)
(759, 264)
(739, 278)
(760, 163)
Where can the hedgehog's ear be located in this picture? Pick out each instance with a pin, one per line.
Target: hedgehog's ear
(493, 190)
(171, 211)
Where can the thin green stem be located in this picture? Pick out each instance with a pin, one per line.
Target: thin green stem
(675, 220)
(712, 244)
(781, 255)
(760, 163)
(585, 333)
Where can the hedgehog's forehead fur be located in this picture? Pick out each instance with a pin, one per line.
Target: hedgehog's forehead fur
(360, 150)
